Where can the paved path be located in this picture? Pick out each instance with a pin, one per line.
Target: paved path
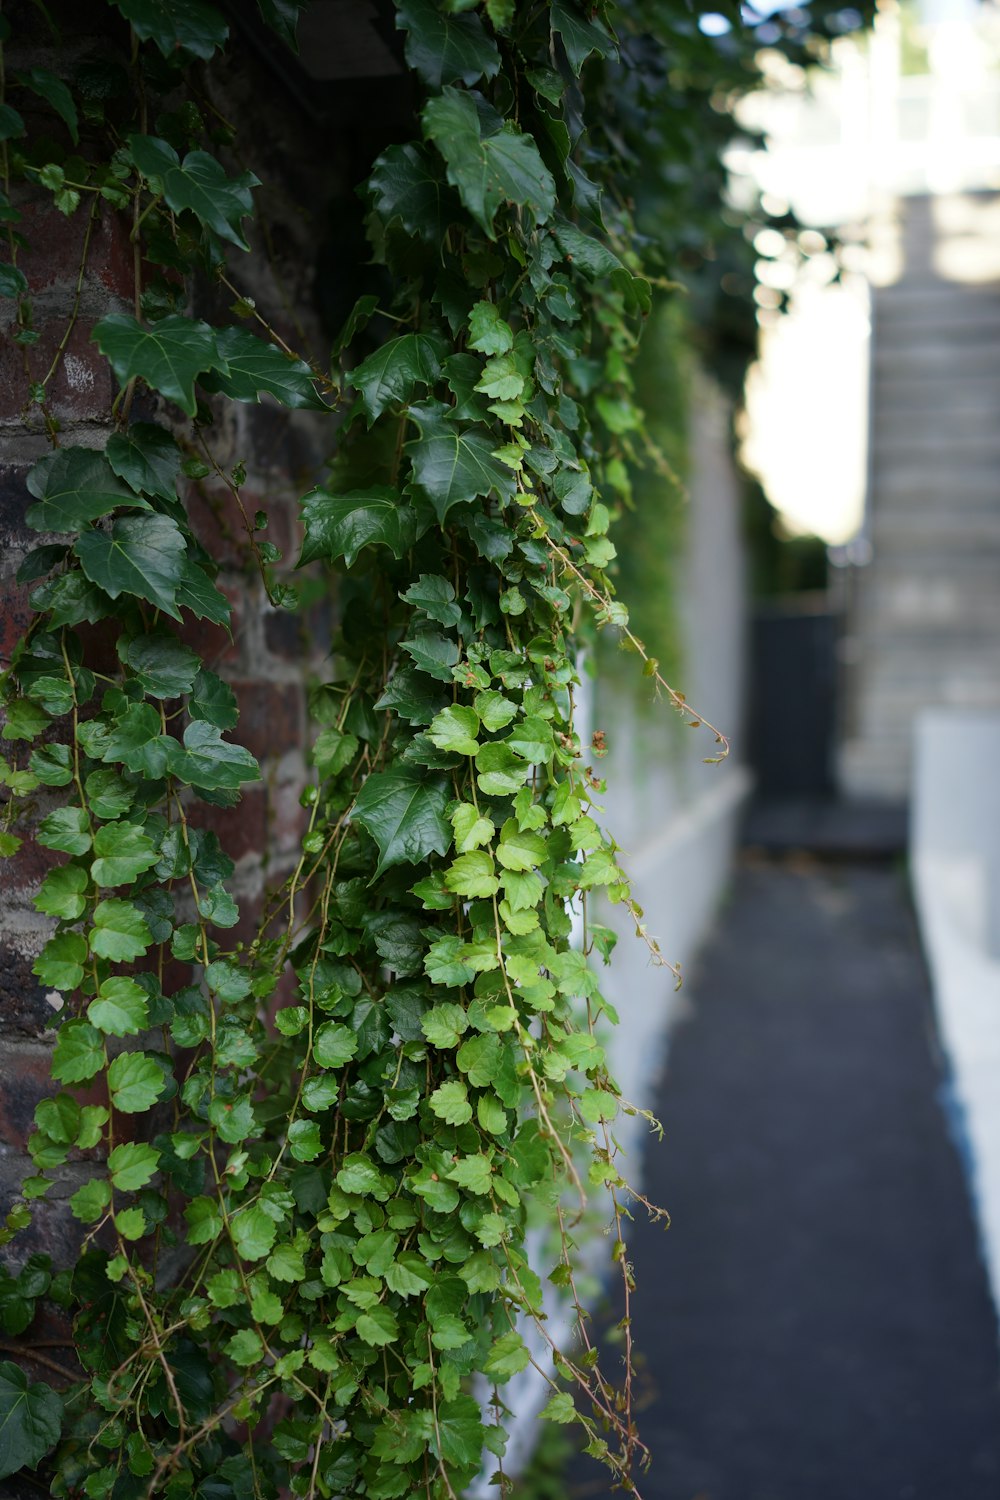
(816, 1322)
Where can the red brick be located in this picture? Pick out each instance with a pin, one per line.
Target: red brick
(241, 830)
(82, 387)
(25, 1010)
(217, 523)
(272, 717)
(55, 249)
(27, 1078)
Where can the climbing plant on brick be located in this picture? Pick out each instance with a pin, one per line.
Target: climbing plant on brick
(315, 1149)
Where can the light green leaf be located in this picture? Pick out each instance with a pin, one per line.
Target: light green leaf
(257, 368)
(342, 525)
(488, 333)
(499, 773)
(59, 1118)
(390, 376)
(500, 166)
(30, 1420)
(518, 850)
(404, 811)
(133, 1165)
(135, 1082)
(120, 1008)
(91, 1200)
(62, 893)
(199, 185)
(471, 828)
(472, 875)
(491, 1114)
(443, 1025)
(334, 1045)
(176, 25)
(532, 738)
(253, 1232)
(123, 850)
(494, 709)
(169, 355)
(60, 963)
(455, 729)
(141, 555)
(450, 1102)
(508, 1356)
(304, 1141)
(473, 1173)
(120, 931)
(72, 487)
(559, 1409)
(131, 1223)
(452, 464)
(205, 1224)
(245, 1347)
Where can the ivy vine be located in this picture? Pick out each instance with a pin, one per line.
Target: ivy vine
(303, 1264)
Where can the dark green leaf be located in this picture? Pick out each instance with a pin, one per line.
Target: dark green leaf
(199, 185)
(404, 811)
(30, 1420)
(208, 761)
(71, 487)
(165, 667)
(147, 458)
(407, 185)
(169, 356)
(11, 123)
(13, 282)
(256, 368)
(283, 18)
(391, 375)
(79, 1050)
(341, 525)
(120, 931)
(123, 851)
(52, 89)
(452, 464)
(579, 36)
(445, 48)
(176, 26)
(500, 167)
(141, 555)
(213, 700)
(411, 696)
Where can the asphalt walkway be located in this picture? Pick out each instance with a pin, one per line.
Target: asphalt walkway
(816, 1324)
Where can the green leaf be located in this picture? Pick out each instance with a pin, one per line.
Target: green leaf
(62, 893)
(508, 1356)
(455, 729)
(471, 828)
(141, 555)
(473, 875)
(532, 739)
(450, 1102)
(120, 1008)
(165, 667)
(133, 1165)
(519, 850)
(488, 333)
(169, 356)
(72, 487)
(245, 1348)
(52, 89)
(474, 1174)
(253, 1232)
(580, 37)
(334, 1045)
(59, 1118)
(79, 1051)
(120, 931)
(256, 368)
(460, 1434)
(391, 375)
(404, 811)
(406, 185)
(124, 850)
(283, 17)
(176, 25)
(52, 765)
(304, 1141)
(213, 700)
(60, 963)
(91, 1201)
(378, 1326)
(208, 761)
(412, 696)
(13, 282)
(205, 1224)
(135, 1082)
(138, 740)
(452, 464)
(491, 1114)
(494, 709)
(479, 1058)
(342, 525)
(559, 1409)
(25, 720)
(67, 829)
(499, 772)
(131, 1223)
(197, 184)
(435, 596)
(445, 48)
(11, 123)
(147, 458)
(433, 653)
(444, 1024)
(502, 166)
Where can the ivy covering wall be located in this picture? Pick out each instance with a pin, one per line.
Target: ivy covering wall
(305, 1139)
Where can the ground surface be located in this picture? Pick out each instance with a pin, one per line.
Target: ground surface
(816, 1323)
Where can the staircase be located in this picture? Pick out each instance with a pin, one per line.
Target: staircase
(924, 626)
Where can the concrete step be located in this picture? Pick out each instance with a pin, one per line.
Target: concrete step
(933, 359)
(907, 527)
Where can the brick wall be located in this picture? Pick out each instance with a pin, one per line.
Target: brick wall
(270, 653)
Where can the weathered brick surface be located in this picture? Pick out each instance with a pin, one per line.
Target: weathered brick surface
(264, 657)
